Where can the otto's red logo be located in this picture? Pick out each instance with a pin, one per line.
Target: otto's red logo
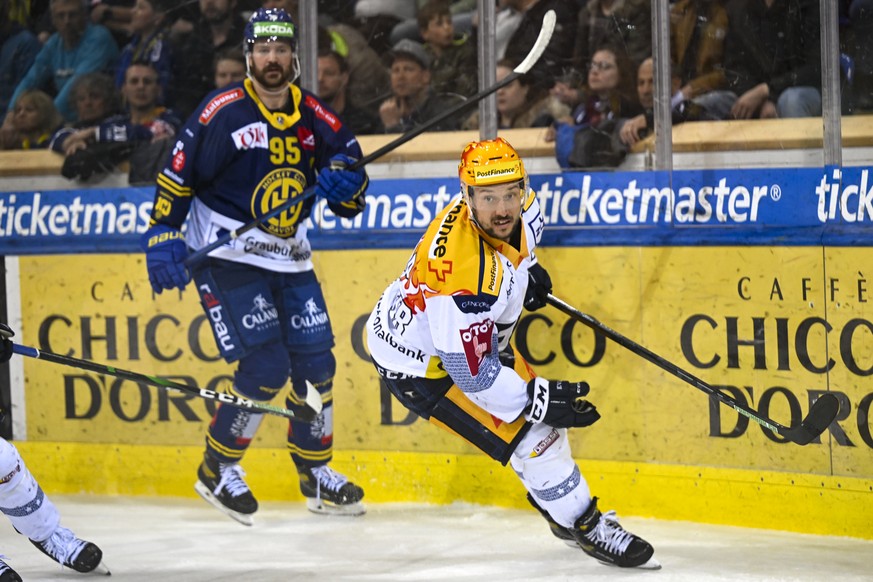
(178, 162)
(476, 340)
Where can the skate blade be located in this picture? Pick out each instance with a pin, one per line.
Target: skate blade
(323, 507)
(205, 493)
(652, 564)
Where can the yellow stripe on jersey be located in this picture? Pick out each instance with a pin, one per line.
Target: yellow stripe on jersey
(278, 119)
(309, 455)
(235, 454)
(171, 187)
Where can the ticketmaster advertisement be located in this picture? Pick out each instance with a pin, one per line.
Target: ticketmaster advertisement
(755, 282)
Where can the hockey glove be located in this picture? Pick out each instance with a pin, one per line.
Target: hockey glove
(539, 285)
(165, 257)
(5, 343)
(337, 184)
(559, 403)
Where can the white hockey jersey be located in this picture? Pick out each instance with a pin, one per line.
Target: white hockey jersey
(455, 306)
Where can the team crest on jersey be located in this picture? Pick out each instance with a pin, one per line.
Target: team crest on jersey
(253, 135)
(277, 187)
(476, 340)
(219, 102)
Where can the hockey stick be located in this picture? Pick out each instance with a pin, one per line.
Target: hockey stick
(821, 413)
(529, 61)
(307, 414)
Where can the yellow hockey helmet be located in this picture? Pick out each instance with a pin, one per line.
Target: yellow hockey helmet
(488, 162)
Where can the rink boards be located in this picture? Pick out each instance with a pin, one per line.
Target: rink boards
(754, 281)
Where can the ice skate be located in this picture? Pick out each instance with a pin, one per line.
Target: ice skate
(7, 574)
(66, 549)
(559, 531)
(330, 493)
(601, 537)
(222, 485)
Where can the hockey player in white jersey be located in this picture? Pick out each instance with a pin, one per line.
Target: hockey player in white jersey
(32, 513)
(439, 337)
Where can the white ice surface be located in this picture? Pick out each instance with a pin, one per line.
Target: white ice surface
(146, 539)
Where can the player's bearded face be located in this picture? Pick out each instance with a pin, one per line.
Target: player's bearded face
(497, 209)
(271, 64)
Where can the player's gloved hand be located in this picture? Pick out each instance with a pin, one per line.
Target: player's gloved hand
(539, 285)
(165, 257)
(5, 343)
(338, 184)
(560, 403)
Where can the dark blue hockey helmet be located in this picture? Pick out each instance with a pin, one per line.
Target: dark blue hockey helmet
(270, 24)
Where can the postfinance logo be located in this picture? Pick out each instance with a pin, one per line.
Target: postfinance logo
(275, 189)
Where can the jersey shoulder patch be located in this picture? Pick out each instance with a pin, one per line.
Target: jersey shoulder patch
(322, 113)
(219, 102)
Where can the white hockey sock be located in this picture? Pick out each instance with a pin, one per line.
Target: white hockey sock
(31, 512)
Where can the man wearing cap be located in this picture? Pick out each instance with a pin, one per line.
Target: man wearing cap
(413, 101)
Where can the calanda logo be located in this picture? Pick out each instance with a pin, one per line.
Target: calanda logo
(262, 315)
(312, 317)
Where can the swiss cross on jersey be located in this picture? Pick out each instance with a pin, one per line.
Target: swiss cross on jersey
(476, 340)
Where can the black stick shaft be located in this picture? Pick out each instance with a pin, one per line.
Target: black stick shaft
(820, 416)
(152, 381)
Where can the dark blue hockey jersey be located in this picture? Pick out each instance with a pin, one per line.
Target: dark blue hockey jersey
(236, 160)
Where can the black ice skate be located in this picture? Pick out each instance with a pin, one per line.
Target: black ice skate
(330, 493)
(222, 485)
(559, 531)
(601, 537)
(7, 574)
(66, 549)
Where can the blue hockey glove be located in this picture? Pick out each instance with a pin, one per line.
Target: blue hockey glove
(5, 343)
(165, 257)
(559, 403)
(337, 184)
(539, 285)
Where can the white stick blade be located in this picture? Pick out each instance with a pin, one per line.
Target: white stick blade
(313, 398)
(540, 45)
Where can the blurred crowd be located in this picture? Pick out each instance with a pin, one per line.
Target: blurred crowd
(75, 74)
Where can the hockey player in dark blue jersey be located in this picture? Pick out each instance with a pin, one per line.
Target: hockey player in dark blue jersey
(247, 148)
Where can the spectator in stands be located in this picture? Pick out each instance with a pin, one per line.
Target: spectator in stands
(230, 67)
(631, 130)
(584, 140)
(78, 47)
(149, 27)
(219, 27)
(376, 18)
(413, 101)
(522, 103)
(333, 84)
(18, 49)
(32, 122)
(369, 80)
(773, 59)
(95, 98)
(558, 55)
(116, 16)
(453, 68)
(697, 32)
(144, 120)
(624, 24)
